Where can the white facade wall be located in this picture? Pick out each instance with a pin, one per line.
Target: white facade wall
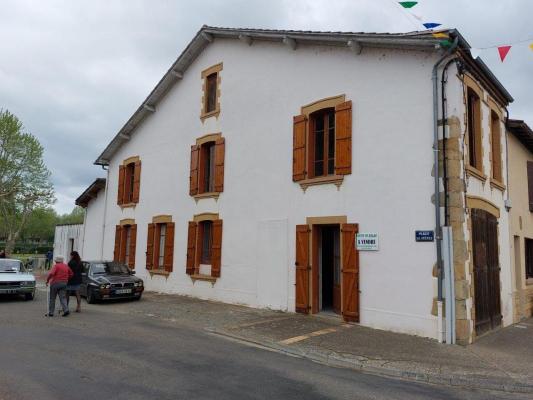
(263, 87)
(68, 238)
(94, 228)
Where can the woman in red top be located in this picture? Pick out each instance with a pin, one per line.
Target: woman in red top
(58, 278)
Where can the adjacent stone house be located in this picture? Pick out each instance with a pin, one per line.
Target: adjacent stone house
(360, 175)
(520, 141)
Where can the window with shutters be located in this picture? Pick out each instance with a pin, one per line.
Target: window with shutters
(211, 92)
(125, 243)
(160, 245)
(129, 181)
(496, 150)
(207, 166)
(475, 150)
(204, 247)
(528, 245)
(322, 142)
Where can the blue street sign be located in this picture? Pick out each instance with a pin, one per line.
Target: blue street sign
(425, 236)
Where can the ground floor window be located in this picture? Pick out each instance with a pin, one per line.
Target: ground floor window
(125, 244)
(204, 246)
(529, 258)
(160, 244)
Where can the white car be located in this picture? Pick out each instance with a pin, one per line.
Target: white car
(14, 279)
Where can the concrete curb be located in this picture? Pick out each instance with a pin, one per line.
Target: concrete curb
(336, 360)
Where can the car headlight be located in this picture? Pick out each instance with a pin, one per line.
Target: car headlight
(27, 283)
(105, 286)
(138, 284)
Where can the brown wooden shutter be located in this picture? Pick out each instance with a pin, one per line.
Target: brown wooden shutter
(303, 267)
(216, 251)
(136, 182)
(121, 177)
(133, 246)
(350, 273)
(220, 150)
(298, 147)
(169, 247)
(191, 248)
(116, 253)
(193, 179)
(530, 183)
(343, 138)
(150, 247)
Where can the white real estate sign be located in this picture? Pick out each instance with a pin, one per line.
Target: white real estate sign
(367, 241)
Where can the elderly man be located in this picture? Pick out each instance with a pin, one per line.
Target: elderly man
(58, 278)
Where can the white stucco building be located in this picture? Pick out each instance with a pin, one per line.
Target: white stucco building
(246, 174)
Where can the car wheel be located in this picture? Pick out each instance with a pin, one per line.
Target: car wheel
(90, 296)
(28, 296)
(137, 298)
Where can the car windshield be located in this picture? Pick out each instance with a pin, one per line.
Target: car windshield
(110, 269)
(10, 265)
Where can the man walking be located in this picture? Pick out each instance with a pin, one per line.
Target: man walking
(58, 278)
(49, 256)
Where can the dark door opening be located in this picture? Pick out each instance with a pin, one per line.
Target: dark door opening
(329, 272)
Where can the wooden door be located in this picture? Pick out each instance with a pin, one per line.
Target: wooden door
(350, 273)
(486, 271)
(302, 268)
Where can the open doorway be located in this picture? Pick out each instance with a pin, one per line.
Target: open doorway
(328, 262)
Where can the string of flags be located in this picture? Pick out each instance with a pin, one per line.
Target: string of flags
(503, 50)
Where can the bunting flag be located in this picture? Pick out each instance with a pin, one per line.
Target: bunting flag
(441, 35)
(431, 25)
(408, 4)
(504, 50)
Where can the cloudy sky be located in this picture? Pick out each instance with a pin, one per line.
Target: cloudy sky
(75, 70)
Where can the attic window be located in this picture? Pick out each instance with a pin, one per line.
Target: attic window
(211, 92)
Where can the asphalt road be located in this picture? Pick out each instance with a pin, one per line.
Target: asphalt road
(105, 354)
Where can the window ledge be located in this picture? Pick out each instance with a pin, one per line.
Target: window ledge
(497, 185)
(207, 195)
(214, 113)
(158, 272)
(127, 205)
(322, 180)
(201, 277)
(472, 171)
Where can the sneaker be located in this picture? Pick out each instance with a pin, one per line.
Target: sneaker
(66, 314)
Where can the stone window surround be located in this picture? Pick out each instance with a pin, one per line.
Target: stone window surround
(210, 137)
(307, 110)
(124, 163)
(494, 107)
(206, 216)
(160, 219)
(205, 73)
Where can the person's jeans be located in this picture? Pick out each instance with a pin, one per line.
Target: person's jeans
(58, 289)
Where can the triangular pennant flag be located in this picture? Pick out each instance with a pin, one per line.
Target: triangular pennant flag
(431, 25)
(408, 4)
(475, 52)
(446, 43)
(440, 35)
(504, 50)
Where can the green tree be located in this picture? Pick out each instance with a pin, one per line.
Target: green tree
(41, 224)
(24, 178)
(76, 216)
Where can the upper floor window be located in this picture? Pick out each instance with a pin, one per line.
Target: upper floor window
(160, 244)
(207, 165)
(496, 147)
(322, 141)
(211, 91)
(129, 181)
(474, 130)
(126, 243)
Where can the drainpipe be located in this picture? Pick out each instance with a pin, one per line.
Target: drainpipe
(508, 203)
(438, 233)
